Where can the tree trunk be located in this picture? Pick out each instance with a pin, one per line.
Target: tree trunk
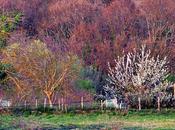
(50, 101)
(139, 98)
(158, 103)
(127, 100)
(49, 96)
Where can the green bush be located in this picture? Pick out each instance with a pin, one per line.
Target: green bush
(85, 85)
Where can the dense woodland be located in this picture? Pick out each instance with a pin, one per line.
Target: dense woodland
(67, 48)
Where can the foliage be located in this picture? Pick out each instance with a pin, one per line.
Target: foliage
(96, 77)
(85, 85)
(8, 23)
(170, 78)
(3, 68)
(36, 67)
(106, 27)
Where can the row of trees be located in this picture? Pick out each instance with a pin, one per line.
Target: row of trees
(98, 30)
(79, 37)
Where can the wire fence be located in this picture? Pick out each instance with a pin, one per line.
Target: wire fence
(63, 104)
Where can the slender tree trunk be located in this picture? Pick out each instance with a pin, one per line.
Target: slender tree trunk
(149, 30)
(139, 98)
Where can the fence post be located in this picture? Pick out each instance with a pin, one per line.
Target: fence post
(106, 103)
(66, 108)
(121, 105)
(45, 102)
(8, 104)
(62, 107)
(174, 90)
(101, 103)
(25, 104)
(158, 103)
(59, 104)
(82, 105)
(36, 103)
(139, 103)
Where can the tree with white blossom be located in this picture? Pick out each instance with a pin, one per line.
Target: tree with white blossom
(137, 72)
(120, 75)
(149, 71)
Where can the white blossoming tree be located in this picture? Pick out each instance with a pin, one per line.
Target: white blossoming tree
(149, 71)
(119, 76)
(137, 72)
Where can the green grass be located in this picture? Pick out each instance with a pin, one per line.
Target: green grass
(134, 120)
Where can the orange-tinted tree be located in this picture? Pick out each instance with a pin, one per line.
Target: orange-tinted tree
(36, 67)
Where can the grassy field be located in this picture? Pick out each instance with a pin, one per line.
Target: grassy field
(144, 120)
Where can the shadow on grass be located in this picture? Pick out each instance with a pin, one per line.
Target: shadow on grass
(9, 128)
(62, 127)
(134, 128)
(140, 128)
(73, 127)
